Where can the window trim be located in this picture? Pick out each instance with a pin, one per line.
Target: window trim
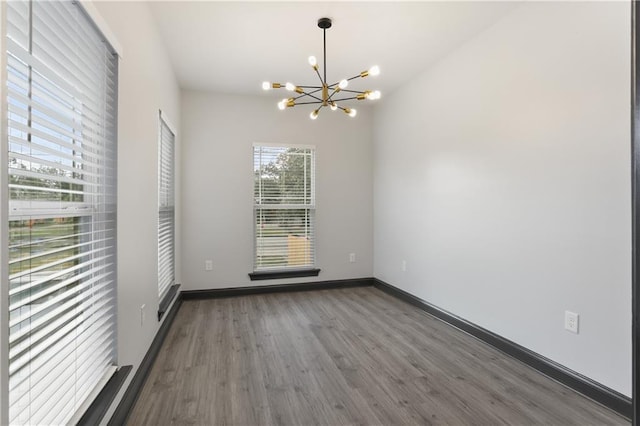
(92, 11)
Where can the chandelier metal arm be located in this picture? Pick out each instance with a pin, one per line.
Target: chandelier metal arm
(348, 79)
(318, 73)
(307, 94)
(345, 99)
(310, 94)
(362, 92)
(335, 90)
(317, 100)
(308, 103)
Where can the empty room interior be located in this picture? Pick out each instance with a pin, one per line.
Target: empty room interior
(197, 228)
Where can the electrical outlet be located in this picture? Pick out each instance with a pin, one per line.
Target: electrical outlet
(403, 266)
(352, 258)
(208, 265)
(143, 314)
(571, 321)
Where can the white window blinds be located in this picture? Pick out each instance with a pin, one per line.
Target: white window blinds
(62, 90)
(166, 209)
(284, 207)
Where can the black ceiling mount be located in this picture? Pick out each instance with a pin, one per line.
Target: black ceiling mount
(324, 23)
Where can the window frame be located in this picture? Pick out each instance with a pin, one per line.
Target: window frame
(82, 210)
(166, 292)
(276, 272)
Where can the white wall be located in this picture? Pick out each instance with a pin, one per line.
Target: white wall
(146, 85)
(218, 133)
(502, 177)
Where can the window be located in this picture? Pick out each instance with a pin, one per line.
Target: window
(166, 210)
(284, 205)
(61, 142)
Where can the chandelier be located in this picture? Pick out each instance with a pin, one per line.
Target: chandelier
(325, 95)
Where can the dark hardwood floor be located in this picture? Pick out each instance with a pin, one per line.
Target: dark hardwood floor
(338, 357)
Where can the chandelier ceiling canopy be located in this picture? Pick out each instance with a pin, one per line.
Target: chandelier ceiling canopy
(325, 95)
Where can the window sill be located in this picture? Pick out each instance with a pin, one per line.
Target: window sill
(99, 407)
(274, 275)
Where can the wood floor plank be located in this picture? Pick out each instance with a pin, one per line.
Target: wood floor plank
(341, 357)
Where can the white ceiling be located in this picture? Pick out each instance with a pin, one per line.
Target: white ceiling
(232, 47)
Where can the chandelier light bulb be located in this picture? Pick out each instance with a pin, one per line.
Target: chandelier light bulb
(374, 95)
(312, 61)
(314, 114)
(343, 84)
(352, 112)
(290, 87)
(333, 106)
(282, 104)
(266, 85)
(374, 70)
